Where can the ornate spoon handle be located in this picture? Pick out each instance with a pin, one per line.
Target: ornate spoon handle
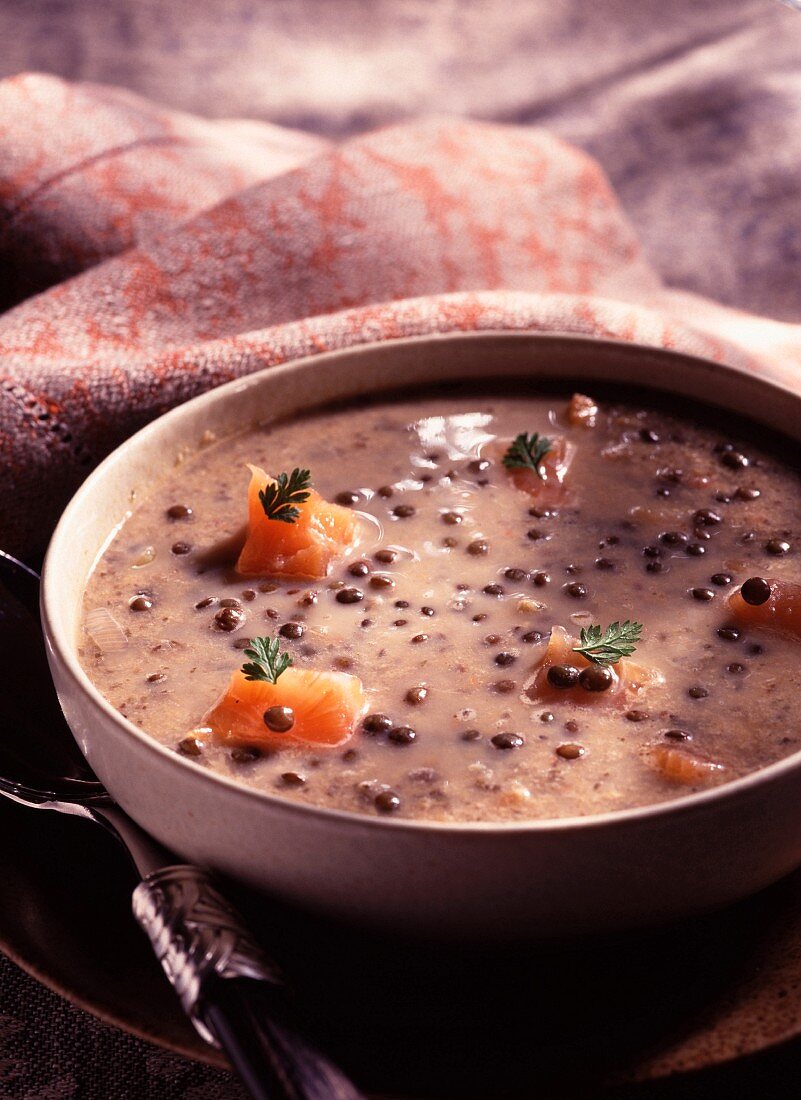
(227, 987)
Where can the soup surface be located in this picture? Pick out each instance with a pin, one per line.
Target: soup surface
(469, 580)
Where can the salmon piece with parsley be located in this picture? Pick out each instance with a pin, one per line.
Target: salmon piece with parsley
(771, 604)
(292, 531)
(269, 704)
(539, 466)
(608, 651)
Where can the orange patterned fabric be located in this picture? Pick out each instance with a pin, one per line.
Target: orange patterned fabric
(173, 254)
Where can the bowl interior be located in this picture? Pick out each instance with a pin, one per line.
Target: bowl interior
(113, 490)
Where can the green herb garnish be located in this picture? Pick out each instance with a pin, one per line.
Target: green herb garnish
(268, 661)
(278, 498)
(608, 646)
(527, 453)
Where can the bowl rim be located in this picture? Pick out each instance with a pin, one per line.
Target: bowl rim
(64, 650)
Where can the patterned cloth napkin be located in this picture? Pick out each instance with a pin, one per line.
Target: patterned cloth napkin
(147, 255)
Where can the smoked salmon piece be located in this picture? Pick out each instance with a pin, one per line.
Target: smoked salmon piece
(325, 706)
(780, 612)
(628, 677)
(680, 766)
(320, 534)
(548, 488)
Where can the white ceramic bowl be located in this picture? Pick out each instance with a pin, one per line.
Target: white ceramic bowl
(540, 878)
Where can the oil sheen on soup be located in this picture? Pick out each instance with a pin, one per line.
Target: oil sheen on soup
(461, 607)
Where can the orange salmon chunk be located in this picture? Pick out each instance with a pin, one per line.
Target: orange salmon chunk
(550, 488)
(681, 766)
(780, 612)
(628, 678)
(321, 534)
(326, 707)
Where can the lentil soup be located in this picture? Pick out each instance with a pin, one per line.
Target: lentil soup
(414, 630)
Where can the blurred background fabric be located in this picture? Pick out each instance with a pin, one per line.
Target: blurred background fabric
(693, 108)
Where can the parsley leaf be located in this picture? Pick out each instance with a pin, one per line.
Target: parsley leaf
(527, 452)
(608, 646)
(278, 498)
(268, 662)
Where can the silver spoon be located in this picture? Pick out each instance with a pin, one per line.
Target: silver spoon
(226, 984)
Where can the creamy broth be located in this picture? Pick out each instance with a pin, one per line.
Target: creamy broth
(459, 579)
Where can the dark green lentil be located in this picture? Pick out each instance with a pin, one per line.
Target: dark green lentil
(755, 591)
(673, 538)
(279, 719)
(702, 594)
(229, 619)
(705, 517)
(735, 460)
(563, 676)
(416, 695)
(596, 678)
(245, 754)
(377, 723)
(386, 802)
(349, 595)
(576, 591)
(570, 751)
(402, 735)
(507, 741)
